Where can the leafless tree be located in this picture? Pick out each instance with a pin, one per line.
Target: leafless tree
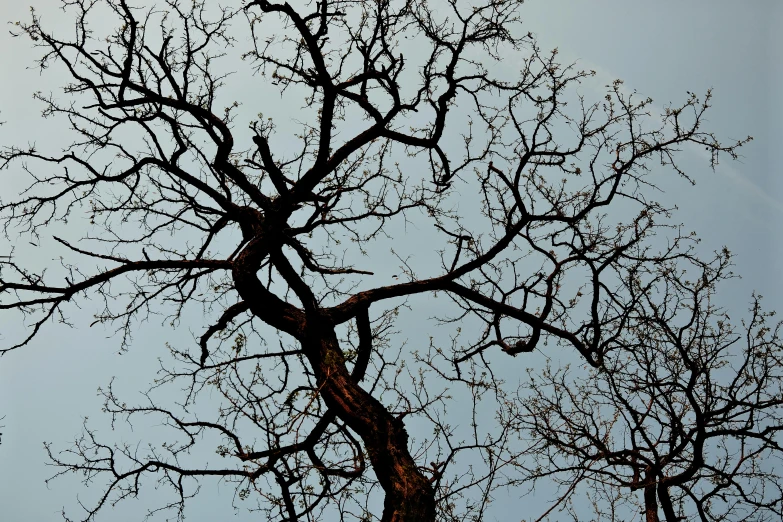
(537, 199)
(686, 407)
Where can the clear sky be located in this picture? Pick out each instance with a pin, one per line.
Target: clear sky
(662, 49)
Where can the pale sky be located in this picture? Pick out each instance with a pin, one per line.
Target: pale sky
(662, 49)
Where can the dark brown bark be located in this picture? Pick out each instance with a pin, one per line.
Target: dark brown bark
(409, 495)
(650, 504)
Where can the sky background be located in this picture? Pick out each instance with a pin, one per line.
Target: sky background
(662, 49)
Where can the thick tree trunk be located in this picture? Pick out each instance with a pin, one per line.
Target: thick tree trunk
(409, 495)
(650, 503)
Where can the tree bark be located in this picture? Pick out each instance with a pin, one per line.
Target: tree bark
(650, 503)
(410, 496)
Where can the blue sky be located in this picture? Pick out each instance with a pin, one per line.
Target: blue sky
(662, 49)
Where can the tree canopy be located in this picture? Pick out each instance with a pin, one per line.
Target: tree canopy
(413, 126)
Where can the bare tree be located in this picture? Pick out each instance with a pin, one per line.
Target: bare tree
(538, 200)
(686, 407)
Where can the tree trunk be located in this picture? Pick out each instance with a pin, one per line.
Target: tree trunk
(650, 503)
(409, 495)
